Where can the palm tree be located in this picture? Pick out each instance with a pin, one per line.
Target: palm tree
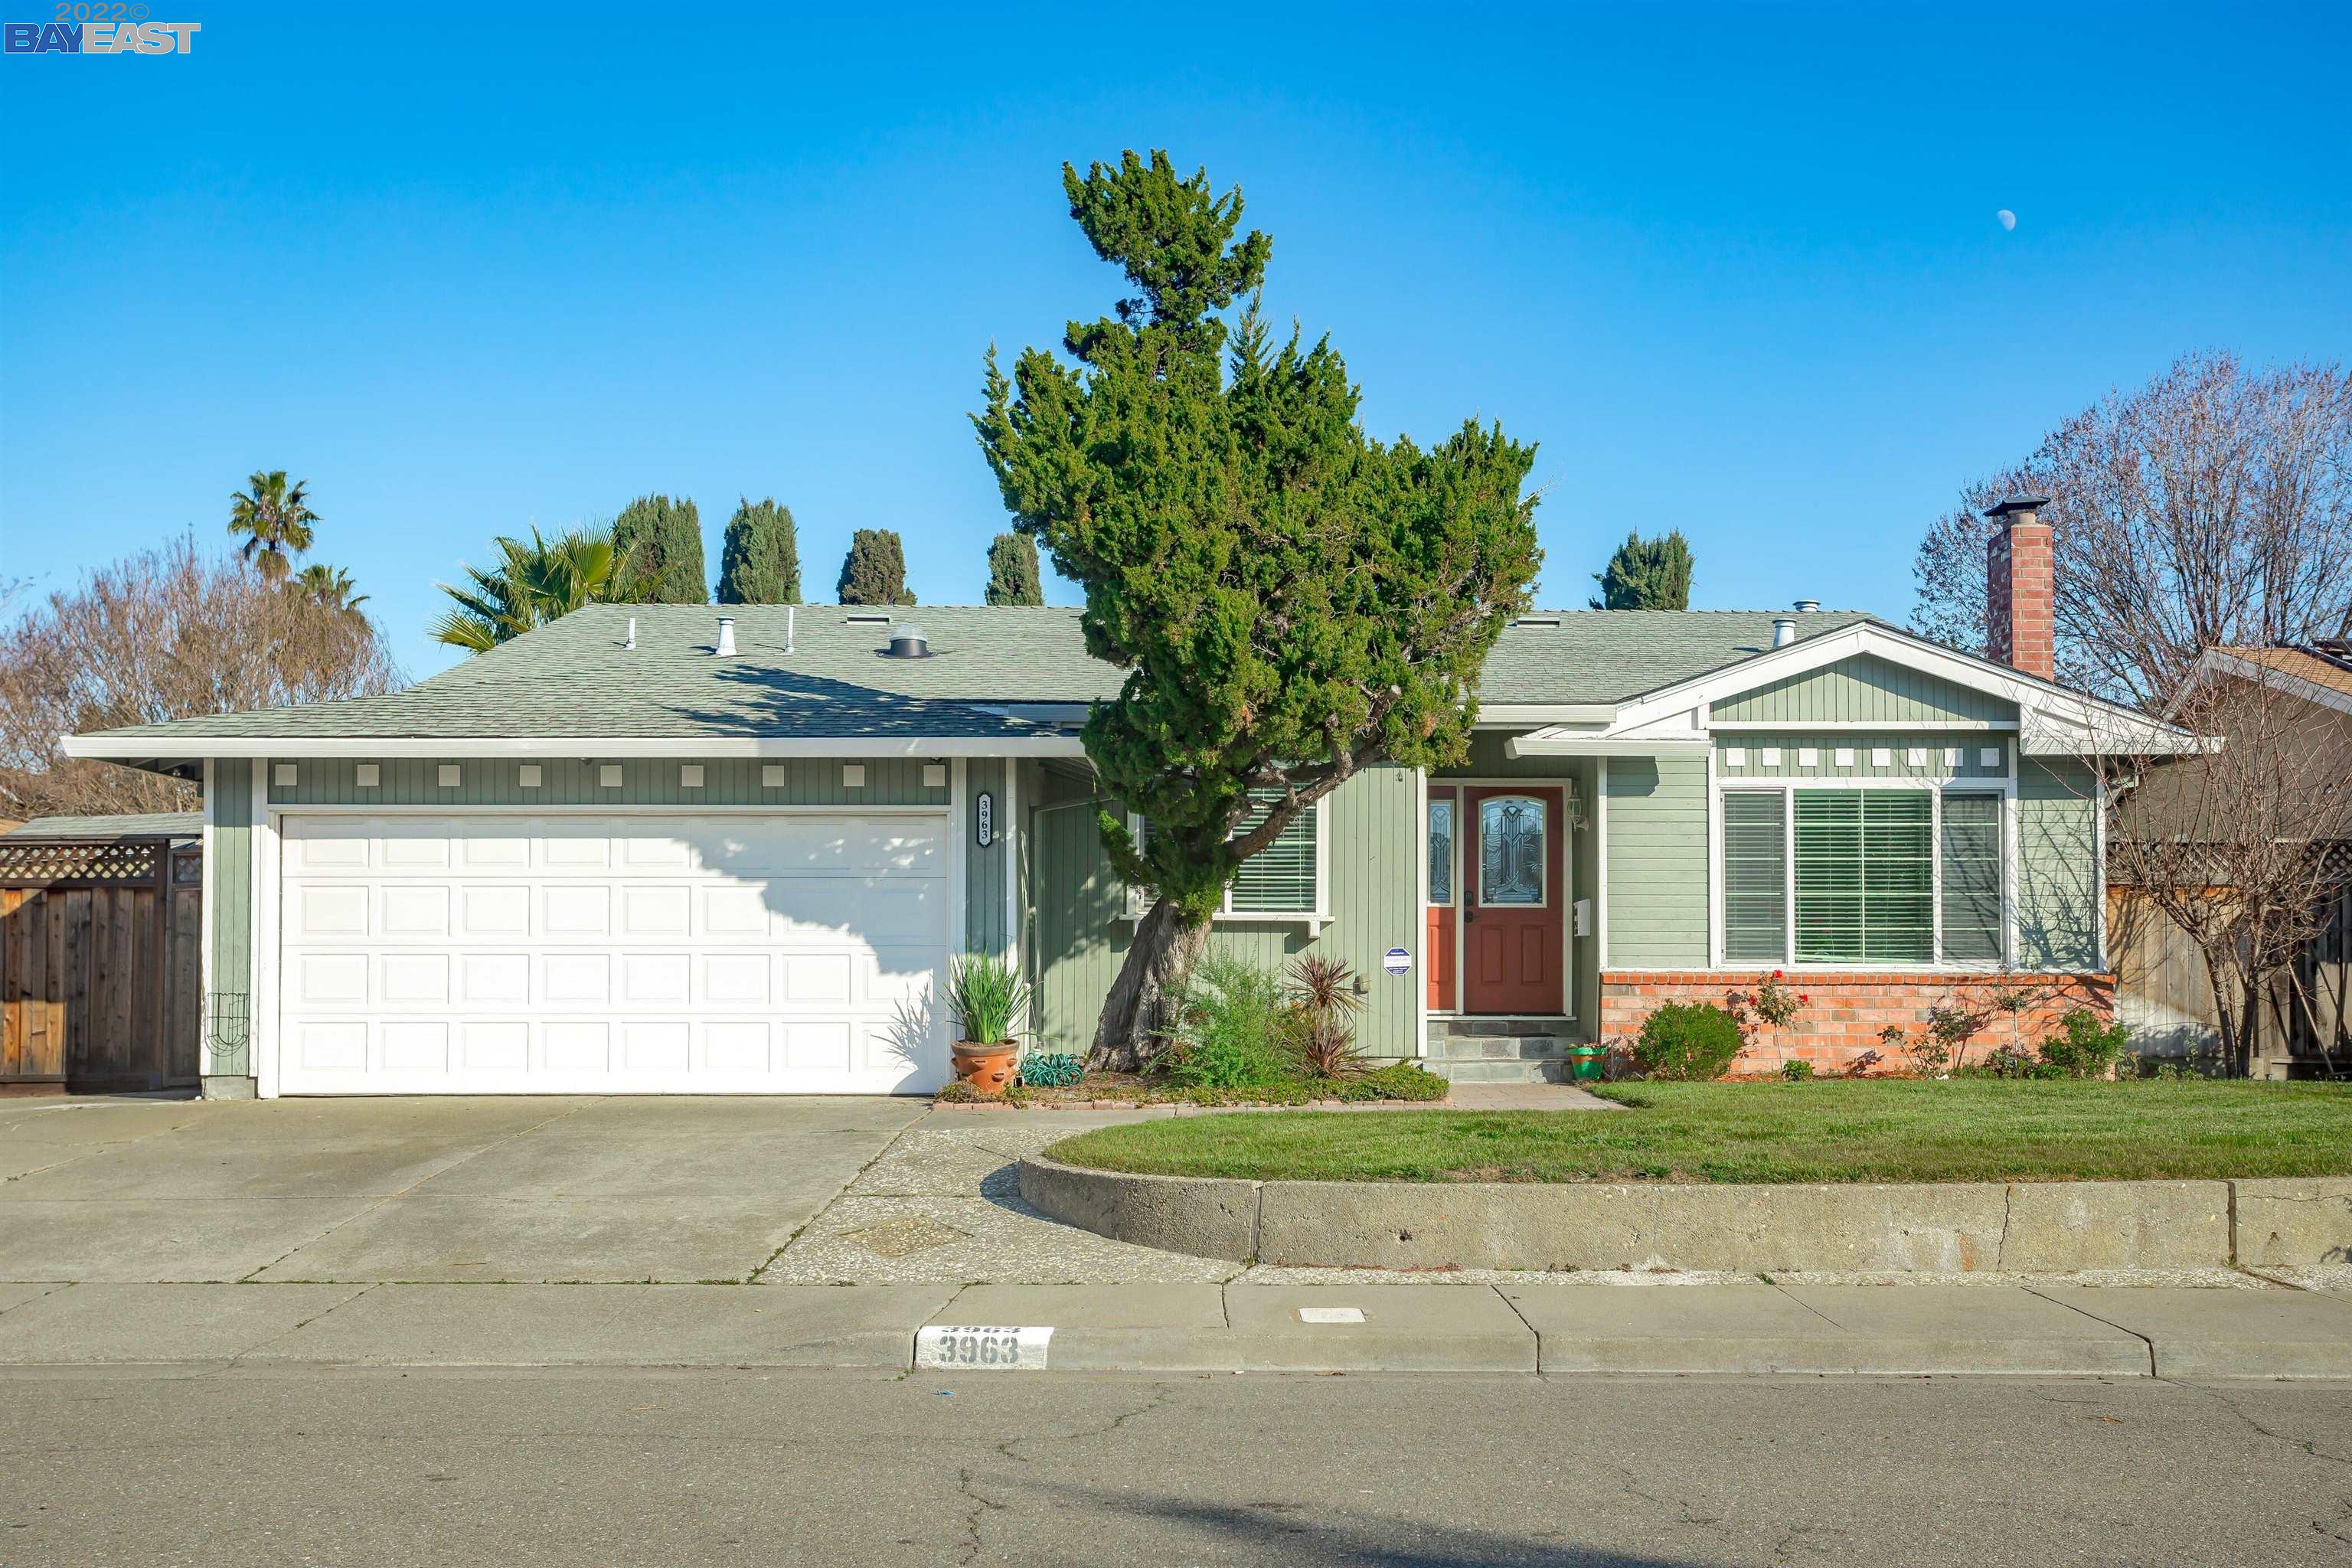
(534, 583)
(275, 518)
(328, 586)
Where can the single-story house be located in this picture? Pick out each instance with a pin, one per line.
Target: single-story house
(673, 849)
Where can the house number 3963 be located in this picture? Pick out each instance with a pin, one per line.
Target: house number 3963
(985, 818)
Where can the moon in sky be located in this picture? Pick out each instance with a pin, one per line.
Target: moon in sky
(2008, 219)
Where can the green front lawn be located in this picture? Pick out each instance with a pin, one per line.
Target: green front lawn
(1884, 1131)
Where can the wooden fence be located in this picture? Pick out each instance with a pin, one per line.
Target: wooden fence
(101, 964)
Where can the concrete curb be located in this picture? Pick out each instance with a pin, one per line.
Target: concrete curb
(1958, 1227)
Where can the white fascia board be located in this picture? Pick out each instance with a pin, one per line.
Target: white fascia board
(1584, 743)
(133, 748)
(1494, 715)
(2105, 725)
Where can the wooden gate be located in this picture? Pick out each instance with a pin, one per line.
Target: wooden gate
(101, 963)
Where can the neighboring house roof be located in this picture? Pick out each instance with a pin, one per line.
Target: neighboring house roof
(997, 674)
(2316, 675)
(129, 824)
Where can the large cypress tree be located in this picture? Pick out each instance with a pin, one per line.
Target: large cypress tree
(874, 570)
(759, 557)
(1647, 574)
(1013, 575)
(660, 542)
(1291, 600)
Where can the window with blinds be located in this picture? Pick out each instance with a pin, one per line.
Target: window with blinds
(1865, 874)
(1872, 876)
(1279, 879)
(1972, 875)
(1755, 877)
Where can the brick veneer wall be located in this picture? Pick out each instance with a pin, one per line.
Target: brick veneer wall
(1848, 1010)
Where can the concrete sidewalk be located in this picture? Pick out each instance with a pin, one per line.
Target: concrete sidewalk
(1747, 1328)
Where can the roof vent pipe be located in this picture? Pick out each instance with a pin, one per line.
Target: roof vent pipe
(633, 633)
(1808, 606)
(908, 642)
(726, 636)
(788, 629)
(1784, 630)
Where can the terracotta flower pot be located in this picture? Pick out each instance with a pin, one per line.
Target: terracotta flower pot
(989, 1069)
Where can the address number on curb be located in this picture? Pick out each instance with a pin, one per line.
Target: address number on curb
(983, 1349)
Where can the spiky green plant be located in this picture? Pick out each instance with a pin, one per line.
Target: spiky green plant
(989, 998)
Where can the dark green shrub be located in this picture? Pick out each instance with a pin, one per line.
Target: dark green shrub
(1796, 1069)
(1687, 1040)
(2084, 1047)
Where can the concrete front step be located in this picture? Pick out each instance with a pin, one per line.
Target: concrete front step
(1485, 1023)
(1494, 1048)
(1540, 1070)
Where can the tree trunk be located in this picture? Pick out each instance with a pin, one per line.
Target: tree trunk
(1132, 1029)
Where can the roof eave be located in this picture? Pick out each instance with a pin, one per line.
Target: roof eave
(148, 751)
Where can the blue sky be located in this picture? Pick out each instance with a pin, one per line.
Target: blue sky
(1735, 268)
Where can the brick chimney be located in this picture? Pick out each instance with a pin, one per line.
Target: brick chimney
(2021, 588)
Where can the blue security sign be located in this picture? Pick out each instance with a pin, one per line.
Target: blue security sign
(1397, 961)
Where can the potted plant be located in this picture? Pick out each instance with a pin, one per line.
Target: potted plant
(990, 1000)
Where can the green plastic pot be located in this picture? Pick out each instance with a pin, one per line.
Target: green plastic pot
(1584, 1061)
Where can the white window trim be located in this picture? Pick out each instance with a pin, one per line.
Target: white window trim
(2004, 789)
(1314, 919)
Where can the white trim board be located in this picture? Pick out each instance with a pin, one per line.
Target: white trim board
(144, 748)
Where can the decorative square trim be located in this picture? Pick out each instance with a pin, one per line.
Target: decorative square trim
(771, 776)
(935, 775)
(448, 776)
(1990, 757)
(527, 775)
(367, 775)
(1769, 756)
(853, 776)
(282, 773)
(1951, 756)
(1882, 756)
(1917, 756)
(690, 775)
(1845, 756)
(608, 775)
(1809, 756)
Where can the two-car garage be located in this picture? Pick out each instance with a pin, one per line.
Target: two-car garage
(754, 952)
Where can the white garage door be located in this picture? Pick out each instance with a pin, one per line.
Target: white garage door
(488, 954)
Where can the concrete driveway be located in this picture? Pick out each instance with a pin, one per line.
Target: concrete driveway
(365, 1190)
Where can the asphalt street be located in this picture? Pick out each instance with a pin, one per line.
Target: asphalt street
(261, 1465)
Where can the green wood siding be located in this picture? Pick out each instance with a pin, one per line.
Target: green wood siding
(572, 781)
(2057, 865)
(1373, 896)
(228, 904)
(1864, 745)
(1864, 690)
(1656, 809)
(985, 870)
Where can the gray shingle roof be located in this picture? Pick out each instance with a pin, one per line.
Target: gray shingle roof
(575, 680)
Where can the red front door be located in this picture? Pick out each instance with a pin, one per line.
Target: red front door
(1511, 900)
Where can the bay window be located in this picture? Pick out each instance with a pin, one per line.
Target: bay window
(1861, 878)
